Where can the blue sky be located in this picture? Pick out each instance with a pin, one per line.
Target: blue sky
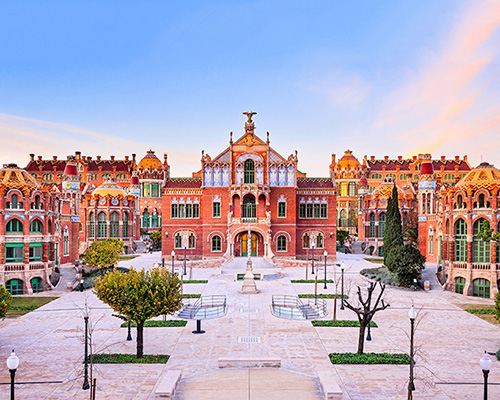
(380, 78)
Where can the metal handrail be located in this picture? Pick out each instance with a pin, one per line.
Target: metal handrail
(205, 307)
(294, 308)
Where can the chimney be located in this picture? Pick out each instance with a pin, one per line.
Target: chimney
(457, 158)
(400, 158)
(386, 158)
(112, 158)
(372, 158)
(465, 158)
(84, 158)
(98, 158)
(126, 158)
(39, 158)
(165, 158)
(78, 155)
(32, 157)
(54, 158)
(414, 158)
(133, 157)
(89, 158)
(443, 158)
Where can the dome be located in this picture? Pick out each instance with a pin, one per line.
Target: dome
(348, 162)
(150, 162)
(13, 177)
(484, 176)
(110, 188)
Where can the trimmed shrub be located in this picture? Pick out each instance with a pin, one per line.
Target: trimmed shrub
(369, 358)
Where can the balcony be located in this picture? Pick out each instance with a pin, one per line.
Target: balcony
(14, 267)
(462, 265)
(253, 221)
(481, 266)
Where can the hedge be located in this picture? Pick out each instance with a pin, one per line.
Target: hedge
(369, 358)
(311, 281)
(341, 323)
(174, 323)
(117, 358)
(322, 296)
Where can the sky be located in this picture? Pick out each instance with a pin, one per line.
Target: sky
(377, 77)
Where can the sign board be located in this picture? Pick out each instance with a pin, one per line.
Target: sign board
(422, 218)
(427, 185)
(75, 218)
(185, 240)
(312, 240)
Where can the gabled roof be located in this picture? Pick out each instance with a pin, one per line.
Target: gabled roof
(314, 183)
(182, 183)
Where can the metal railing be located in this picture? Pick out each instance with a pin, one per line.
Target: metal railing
(205, 307)
(481, 266)
(293, 307)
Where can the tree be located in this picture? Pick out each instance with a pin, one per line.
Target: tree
(140, 295)
(103, 254)
(5, 300)
(155, 239)
(486, 234)
(406, 262)
(342, 236)
(365, 311)
(393, 233)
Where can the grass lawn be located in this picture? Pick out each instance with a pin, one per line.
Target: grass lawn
(127, 257)
(341, 323)
(173, 323)
(196, 281)
(130, 359)
(375, 260)
(369, 358)
(310, 281)
(191, 296)
(23, 305)
(321, 296)
(481, 311)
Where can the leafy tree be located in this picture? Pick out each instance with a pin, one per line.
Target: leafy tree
(5, 300)
(140, 295)
(365, 311)
(497, 307)
(103, 254)
(406, 262)
(342, 236)
(156, 239)
(486, 233)
(393, 233)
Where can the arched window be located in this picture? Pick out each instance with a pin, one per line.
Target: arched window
(145, 219)
(343, 218)
(125, 225)
(216, 243)
(481, 201)
(461, 241)
(178, 240)
(481, 288)
(343, 189)
(459, 201)
(36, 285)
(154, 219)
(352, 189)
(381, 224)
(459, 284)
(192, 241)
(15, 286)
(372, 225)
(114, 225)
(102, 230)
(249, 207)
(281, 243)
(481, 250)
(36, 204)
(13, 202)
(305, 241)
(91, 225)
(14, 226)
(36, 226)
(319, 241)
(249, 175)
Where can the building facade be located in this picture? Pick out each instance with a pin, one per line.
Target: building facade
(249, 186)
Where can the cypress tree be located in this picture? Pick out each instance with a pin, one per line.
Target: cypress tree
(393, 233)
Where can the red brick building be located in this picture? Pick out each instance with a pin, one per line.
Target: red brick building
(249, 184)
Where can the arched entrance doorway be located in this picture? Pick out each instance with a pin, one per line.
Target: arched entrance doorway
(246, 246)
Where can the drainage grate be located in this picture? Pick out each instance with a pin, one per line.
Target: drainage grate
(249, 310)
(249, 339)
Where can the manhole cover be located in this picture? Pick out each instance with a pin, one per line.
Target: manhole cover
(249, 339)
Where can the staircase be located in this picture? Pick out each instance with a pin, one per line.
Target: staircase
(140, 246)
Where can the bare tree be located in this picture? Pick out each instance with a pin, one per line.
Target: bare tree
(365, 311)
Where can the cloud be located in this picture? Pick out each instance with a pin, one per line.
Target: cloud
(441, 103)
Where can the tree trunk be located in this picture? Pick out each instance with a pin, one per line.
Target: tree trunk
(140, 339)
(361, 339)
(335, 307)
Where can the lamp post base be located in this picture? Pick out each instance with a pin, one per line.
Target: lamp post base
(198, 330)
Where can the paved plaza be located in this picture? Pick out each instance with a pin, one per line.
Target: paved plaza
(49, 343)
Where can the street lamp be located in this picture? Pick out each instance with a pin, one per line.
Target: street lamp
(412, 313)
(369, 333)
(12, 364)
(312, 245)
(485, 363)
(325, 254)
(342, 290)
(129, 336)
(81, 284)
(173, 255)
(86, 385)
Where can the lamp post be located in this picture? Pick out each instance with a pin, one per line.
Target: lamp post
(86, 385)
(342, 290)
(81, 284)
(485, 363)
(173, 255)
(12, 364)
(312, 244)
(325, 254)
(129, 336)
(411, 386)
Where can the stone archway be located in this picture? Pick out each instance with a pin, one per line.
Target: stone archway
(242, 244)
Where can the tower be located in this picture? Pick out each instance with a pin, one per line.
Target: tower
(427, 234)
(71, 185)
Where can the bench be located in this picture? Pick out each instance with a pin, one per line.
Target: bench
(249, 362)
(169, 382)
(329, 384)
